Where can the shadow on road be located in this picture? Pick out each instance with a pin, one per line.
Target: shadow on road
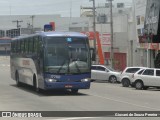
(104, 81)
(148, 89)
(44, 93)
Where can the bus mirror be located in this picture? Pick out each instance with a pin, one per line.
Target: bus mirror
(93, 56)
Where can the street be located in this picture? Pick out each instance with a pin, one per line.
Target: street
(102, 96)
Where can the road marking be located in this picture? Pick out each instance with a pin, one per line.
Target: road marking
(74, 118)
(111, 99)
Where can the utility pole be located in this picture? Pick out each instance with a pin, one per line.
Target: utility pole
(32, 17)
(111, 25)
(17, 21)
(94, 28)
(18, 26)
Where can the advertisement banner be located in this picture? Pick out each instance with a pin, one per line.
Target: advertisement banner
(105, 39)
(152, 17)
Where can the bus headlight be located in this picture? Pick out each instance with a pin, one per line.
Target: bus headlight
(50, 80)
(85, 80)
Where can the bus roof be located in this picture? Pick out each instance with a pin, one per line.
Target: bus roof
(54, 33)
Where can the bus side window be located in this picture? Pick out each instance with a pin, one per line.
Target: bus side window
(16, 45)
(26, 46)
(22, 46)
(37, 44)
(19, 46)
(30, 43)
(13, 46)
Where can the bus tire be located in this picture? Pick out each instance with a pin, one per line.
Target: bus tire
(17, 79)
(35, 85)
(74, 91)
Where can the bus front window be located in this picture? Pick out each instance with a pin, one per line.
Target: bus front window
(67, 55)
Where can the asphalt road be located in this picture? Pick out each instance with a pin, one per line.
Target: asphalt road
(102, 96)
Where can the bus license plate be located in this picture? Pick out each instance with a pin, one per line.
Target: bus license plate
(68, 86)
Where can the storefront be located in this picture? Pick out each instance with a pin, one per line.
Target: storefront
(149, 54)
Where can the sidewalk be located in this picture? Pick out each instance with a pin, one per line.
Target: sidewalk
(4, 57)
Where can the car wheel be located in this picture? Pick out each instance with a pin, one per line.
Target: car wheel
(125, 82)
(139, 85)
(112, 79)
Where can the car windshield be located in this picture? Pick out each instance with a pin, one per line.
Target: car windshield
(67, 55)
(111, 69)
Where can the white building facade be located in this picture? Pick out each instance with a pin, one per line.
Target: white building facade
(124, 35)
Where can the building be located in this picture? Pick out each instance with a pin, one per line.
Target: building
(148, 32)
(124, 40)
(5, 46)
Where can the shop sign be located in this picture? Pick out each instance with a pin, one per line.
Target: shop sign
(154, 46)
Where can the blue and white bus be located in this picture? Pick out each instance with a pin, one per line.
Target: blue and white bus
(51, 60)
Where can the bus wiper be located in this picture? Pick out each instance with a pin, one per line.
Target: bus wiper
(61, 66)
(77, 66)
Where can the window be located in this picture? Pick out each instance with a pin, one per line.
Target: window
(93, 67)
(140, 72)
(157, 72)
(37, 43)
(149, 72)
(2, 33)
(30, 43)
(18, 47)
(22, 46)
(100, 68)
(26, 46)
(138, 20)
(132, 70)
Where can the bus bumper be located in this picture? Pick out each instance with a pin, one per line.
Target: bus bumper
(67, 85)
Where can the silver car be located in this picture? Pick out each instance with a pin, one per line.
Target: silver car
(145, 78)
(126, 75)
(101, 72)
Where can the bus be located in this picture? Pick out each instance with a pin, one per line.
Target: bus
(51, 60)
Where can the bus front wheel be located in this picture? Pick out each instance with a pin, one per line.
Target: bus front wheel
(74, 91)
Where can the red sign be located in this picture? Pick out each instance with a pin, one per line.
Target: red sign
(90, 35)
(105, 39)
(155, 46)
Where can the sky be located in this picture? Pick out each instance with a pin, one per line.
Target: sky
(36, 7)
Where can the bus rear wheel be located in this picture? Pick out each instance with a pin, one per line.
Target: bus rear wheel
(17, 80)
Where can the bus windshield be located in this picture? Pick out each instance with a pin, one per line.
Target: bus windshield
(67, 55)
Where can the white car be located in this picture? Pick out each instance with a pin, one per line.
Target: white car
(125, 77)
(102, 72)
(149, 77)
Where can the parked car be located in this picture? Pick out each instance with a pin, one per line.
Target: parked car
(102, 72)
(125, 77)
(149, 77)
